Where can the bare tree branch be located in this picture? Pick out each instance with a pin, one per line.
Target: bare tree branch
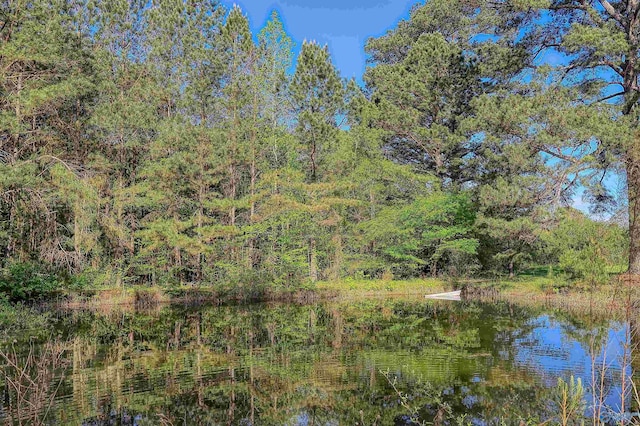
(613, 12)
(609, 97)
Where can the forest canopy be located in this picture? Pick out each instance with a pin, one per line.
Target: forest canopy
(162, 142)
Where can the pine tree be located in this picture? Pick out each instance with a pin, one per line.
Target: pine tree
(123, 121)
(434, 88)
(517, 190)
(586, 117)
(270, 142)
(45, 83)
(275, 59)
(423, 101)
(237, 47)
(160, 141)
(178, 183)
(317, 93)
(424, 76)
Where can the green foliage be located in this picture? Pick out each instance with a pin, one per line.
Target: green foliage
(569, 402)
(164, 143)
(424, 233)
(317, 93)
(27, 282)
(589, 250)
(582, 110)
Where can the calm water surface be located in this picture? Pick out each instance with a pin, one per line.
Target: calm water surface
(322, 364)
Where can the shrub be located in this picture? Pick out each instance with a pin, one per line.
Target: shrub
(27, 281)
(587, 249)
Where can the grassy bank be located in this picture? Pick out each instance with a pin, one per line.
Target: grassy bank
(519, 286)
(530, 289)
(368, 288)
(527, 289)
(324, 290)
(244, 293)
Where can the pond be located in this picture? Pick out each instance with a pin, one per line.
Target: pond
(366, 362)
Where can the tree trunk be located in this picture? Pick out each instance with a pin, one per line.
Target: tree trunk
(338, 255)
(313, 161)
(252, 240)
(11, 242)
(76, 236)
(177, 254)
(511, 273)
(16, 136)
(313, 261)
(200, 225)
(633, 183)
(234, 190)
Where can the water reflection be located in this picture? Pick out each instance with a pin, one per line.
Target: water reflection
(318, 364)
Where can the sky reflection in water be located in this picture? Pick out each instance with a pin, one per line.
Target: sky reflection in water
(318, 364)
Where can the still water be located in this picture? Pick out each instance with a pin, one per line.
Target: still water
(372, 362)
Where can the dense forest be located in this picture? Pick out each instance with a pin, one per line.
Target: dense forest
(162, 142)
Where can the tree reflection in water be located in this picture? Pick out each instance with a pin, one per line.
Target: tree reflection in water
(318, 364)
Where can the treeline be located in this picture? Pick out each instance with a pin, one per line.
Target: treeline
(162, 142)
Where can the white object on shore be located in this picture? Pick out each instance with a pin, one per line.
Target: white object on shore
(452, 295)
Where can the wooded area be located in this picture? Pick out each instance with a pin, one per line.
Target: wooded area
(161, 142)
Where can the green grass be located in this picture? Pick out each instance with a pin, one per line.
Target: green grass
(530, 284)
(364, 286)
(542, 271)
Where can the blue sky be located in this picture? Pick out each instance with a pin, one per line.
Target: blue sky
(344, 25)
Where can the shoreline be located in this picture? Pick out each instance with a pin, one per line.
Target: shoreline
(608, 299)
